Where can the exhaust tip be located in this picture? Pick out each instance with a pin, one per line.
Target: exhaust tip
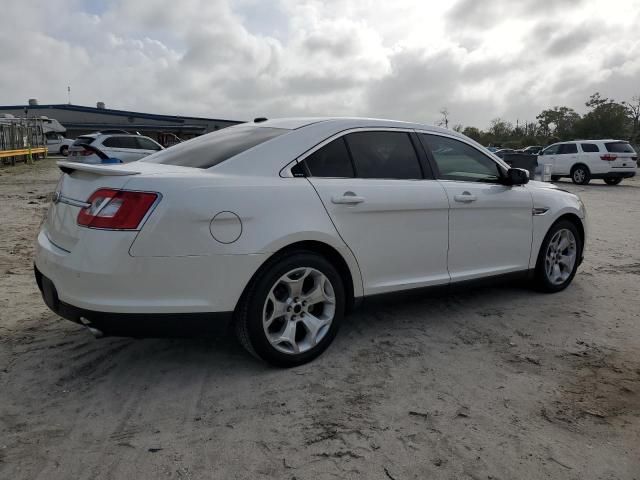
(94, 331)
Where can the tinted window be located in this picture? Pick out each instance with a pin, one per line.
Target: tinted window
(214, 148)
(458, 161)
(619, 147)
(121, 142)
(567, 148)
(85, 140)
(552, 150)
(589, 147)
(146, 144)
(384, 155)
(332, 160)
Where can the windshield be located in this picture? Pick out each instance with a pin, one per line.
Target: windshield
(214, 148)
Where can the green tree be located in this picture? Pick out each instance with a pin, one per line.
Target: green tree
(474, 133)
(558, 121)
(607, 119)
(633, 112)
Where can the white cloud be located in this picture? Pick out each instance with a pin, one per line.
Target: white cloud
(244, 58)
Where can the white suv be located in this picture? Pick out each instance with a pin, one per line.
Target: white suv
(123, 146)
(582, 160)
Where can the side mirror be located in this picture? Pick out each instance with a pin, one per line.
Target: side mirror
(516, 176)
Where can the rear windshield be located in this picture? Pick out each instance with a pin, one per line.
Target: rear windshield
(85, 140)
(619, 147)
(214, 148)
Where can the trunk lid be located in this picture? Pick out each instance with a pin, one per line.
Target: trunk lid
(76, 185)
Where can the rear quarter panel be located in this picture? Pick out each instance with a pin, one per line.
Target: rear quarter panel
(275, 212)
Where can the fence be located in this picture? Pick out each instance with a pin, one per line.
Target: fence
(21, 138)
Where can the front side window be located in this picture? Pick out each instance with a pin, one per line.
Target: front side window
(589, 147)
(458, 161)
(381, 154)
(552, 150)
(568, 148)
(146, 144)
(332, 160)
(216, 147)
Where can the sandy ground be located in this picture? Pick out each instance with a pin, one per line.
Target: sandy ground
(494, 383)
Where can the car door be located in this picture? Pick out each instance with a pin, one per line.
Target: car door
(566, 158)
(392, 216)
(490, 224)
(548, 157)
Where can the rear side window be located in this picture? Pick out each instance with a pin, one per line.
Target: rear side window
(83, 140)
(619, 147)
(567, 148)
(214, 148)
(384, 155)
(332, 160)
(589, 147)
(458, 161)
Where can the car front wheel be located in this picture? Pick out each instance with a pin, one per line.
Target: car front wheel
(292, 309)
(64, 150)
(559, 257)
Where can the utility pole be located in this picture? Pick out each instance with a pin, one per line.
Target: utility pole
(69, 94)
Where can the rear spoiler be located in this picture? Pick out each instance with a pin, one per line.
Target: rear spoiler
(98, 169)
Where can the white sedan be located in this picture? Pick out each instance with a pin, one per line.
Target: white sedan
(285, 225)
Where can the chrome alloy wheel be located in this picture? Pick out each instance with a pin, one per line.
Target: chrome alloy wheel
(298, 311)
(579, 175)
(561, 256)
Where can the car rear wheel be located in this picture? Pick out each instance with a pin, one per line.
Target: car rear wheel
(559, 257)
(64, 150)
(292, 310)
(580, 175)
(613, 180)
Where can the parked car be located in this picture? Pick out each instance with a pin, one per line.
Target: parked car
(532, 149)
(503, 151)
(57, 144)
(493, 149)
(285, 225)
(124, 146)
(583, 160)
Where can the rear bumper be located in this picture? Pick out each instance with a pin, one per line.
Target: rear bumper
(131, 324)
(99, 275)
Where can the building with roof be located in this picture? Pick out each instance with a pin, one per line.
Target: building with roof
(78, 120)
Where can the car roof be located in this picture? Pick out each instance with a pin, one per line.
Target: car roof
(343, 123)
(591, 140)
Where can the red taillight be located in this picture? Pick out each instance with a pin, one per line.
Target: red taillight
(608, 157)
(116, 209)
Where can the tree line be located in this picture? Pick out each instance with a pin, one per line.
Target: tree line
(605, 118)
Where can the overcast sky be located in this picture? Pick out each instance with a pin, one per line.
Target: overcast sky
(401, 59)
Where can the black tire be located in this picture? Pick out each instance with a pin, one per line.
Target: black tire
(541, 279)
(580, 174)
(64, 150)
(249, 313)
(613, 180)
(555, 178)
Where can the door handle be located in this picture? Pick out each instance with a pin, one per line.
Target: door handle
(347, 198)
(465, 197)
